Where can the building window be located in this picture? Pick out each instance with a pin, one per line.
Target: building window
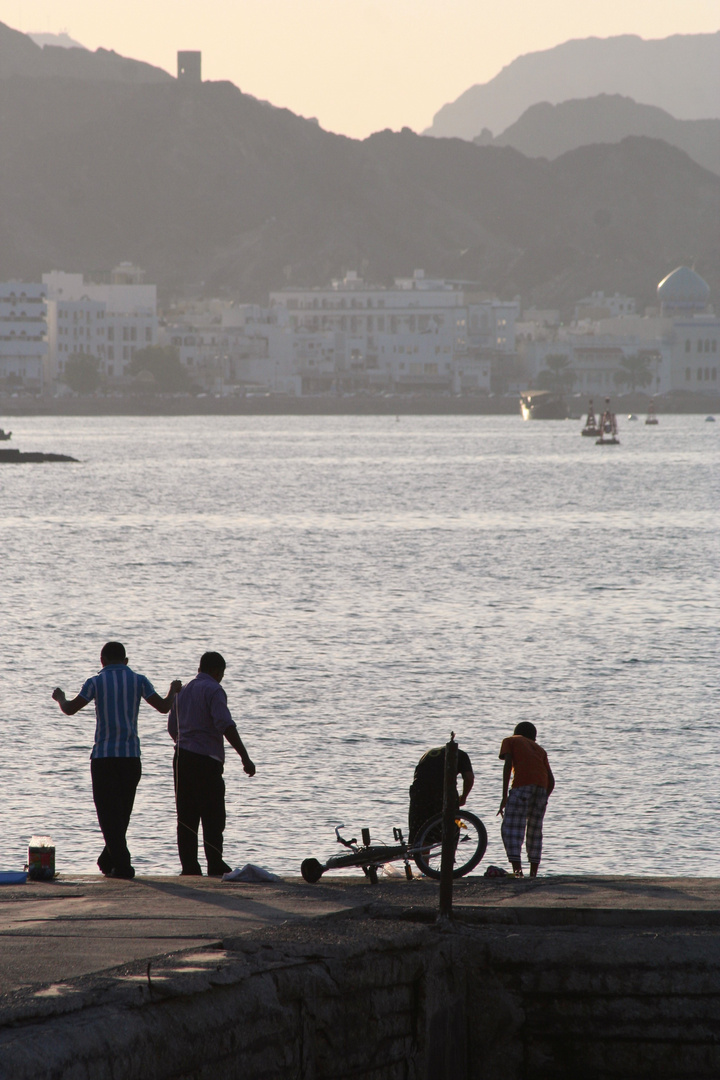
(699, 374)
(148, 333)
(687, 374)
(714, 374)
(699, 345)
(111, 333)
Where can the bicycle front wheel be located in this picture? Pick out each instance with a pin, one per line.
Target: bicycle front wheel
(470, 842)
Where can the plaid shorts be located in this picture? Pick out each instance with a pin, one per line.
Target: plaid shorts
(525, 806)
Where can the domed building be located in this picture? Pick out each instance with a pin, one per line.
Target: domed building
(679, 342)
(682, 292)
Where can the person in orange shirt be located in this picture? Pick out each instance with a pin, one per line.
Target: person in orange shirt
(524, 807)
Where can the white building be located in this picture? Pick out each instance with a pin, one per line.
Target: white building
(108, 321)
(420, 333)
(600, 306)
(680, 340)
(23, 335)
(226, 347)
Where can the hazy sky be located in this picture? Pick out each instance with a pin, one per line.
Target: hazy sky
(357, 65)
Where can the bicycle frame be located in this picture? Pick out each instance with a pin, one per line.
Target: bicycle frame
(424, 851)
(369, 855)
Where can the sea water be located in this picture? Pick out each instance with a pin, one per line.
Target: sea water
(374, 584)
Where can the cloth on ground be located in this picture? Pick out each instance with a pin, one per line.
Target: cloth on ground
(251, 874)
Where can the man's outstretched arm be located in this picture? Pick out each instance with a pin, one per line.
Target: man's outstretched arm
(164, 704)
(507, 772)
(233, 737)
(468, 779)
(69, 707)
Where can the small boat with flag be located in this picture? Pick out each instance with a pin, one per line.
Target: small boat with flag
(651, 416)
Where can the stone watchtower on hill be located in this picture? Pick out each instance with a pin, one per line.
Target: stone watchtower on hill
(189, 67)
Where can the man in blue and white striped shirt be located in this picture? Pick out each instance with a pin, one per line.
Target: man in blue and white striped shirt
(115, 760)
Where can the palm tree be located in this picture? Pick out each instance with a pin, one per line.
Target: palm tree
(557, 375)
(634, 371)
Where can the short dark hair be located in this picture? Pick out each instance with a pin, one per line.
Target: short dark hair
(113, 652)
(527, 729)
(211, 661)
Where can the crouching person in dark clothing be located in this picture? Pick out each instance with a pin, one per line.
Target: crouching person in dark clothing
(426, 791)
(199, 722)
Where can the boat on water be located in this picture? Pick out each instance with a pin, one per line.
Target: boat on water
(608, 427)
(651, 416)
(709, 419)
(543, 405)
(5, 435)
(592, 428)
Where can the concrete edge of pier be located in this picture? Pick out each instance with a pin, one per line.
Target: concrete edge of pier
(165, 978)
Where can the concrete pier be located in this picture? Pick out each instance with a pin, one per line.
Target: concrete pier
(556, 979)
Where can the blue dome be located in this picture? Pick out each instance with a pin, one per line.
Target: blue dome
(683, 288)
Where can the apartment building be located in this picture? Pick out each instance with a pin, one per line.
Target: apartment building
(420, 333)
(23, 335)
(109, 321)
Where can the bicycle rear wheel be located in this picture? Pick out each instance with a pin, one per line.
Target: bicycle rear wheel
(470, 844)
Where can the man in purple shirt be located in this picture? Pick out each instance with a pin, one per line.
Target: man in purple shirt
(198, 724)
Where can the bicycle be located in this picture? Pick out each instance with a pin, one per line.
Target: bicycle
(426, 850)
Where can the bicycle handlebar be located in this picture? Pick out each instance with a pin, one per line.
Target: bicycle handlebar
(342, 840)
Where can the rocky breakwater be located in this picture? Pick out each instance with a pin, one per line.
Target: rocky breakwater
(560, 978)
(13, 456)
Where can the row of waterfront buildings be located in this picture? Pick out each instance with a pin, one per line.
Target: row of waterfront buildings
(420, 334)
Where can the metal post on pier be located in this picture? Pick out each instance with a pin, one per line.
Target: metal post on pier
(448, 828)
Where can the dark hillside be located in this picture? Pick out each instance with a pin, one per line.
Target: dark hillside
(19, 55)
(202, 184)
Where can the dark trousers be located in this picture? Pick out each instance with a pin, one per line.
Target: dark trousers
(199, 796)
(114, 783)
(424, 804)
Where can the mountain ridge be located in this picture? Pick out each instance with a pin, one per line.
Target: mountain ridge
(680, 74)
(21, 56)
(213, 190)
(546, 130)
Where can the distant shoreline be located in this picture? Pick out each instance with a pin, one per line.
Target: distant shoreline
(281, 405)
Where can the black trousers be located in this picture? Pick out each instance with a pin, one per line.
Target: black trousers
(114, 783)
(424, 804)
(199, 796)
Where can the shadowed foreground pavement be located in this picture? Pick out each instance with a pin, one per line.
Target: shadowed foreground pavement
(51, 932)
(182, 979)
